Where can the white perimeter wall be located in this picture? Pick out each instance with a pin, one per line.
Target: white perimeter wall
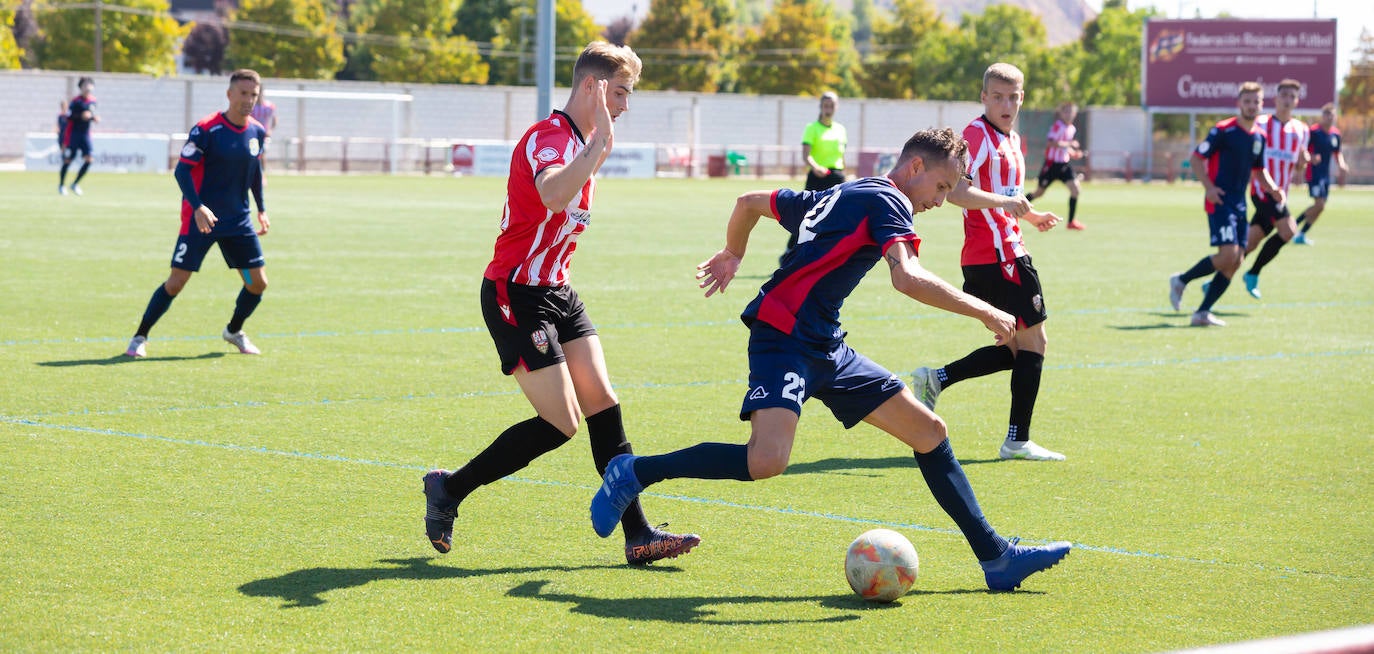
(136, 103)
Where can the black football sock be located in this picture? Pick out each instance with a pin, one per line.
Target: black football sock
(1302, 218)
(85, 166)
(1219, 284)
(1073, 209)
(157, 305)
(243, 307)
(1202, 268)
(1267, 253)
(982, 361)
(951, 489)
(514, 449)
(1306, 226)
(700, 461)
(1025, 386)
(606, 431)
(62, 176)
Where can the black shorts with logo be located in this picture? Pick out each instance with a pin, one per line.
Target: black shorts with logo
(1267, 212)
(530, 324)
(1012, 286)
(1056, 171)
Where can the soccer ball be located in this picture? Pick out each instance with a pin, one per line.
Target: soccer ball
(881, 565)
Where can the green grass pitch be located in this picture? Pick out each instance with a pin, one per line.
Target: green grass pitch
(1219, 482)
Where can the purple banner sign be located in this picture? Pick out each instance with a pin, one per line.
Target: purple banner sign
(1200, 64)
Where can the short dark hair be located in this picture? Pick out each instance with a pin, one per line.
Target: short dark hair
(604, 60)
(934, 145)
(245, 74)
(1290, 83)
(84, 81)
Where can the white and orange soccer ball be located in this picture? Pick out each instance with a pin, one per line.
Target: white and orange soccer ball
(881, 565)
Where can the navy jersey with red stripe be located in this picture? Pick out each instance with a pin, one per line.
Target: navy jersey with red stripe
(224, 161)
(1232, 152)
(76, 124)
(1323, 147)
(841, 233)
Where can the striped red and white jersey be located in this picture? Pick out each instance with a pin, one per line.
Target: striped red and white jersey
(998, 166)
(1059, 131)
(1283, 143)
(536, 245)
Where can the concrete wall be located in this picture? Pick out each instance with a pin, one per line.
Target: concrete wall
(764, 124)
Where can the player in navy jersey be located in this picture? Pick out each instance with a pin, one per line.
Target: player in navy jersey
(1324, 148)
(1232, 152)
(76, 135)
(543, 335)
(797, 348)
(220, 164)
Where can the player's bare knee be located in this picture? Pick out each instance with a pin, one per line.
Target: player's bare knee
(765, 465)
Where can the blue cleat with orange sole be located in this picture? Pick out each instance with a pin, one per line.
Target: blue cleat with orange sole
(440, 510)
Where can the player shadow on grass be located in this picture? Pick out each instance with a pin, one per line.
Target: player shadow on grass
(696, 609)
(124, 358)
(855, 466)
(1176, 320)
(302, 588)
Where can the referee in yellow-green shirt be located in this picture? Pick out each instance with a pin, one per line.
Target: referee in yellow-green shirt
(823, 150)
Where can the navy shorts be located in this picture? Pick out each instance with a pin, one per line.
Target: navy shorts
(784, 372)
(530, 324)
(77, 143)
(240, 251)
(1227, 226)
(1319, 188)
(1056, 171)
(1267, 212)
(1015, 289)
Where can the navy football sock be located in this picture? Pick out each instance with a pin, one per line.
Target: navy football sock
(1219, 284)
(1200, 269)
(982, 361)
(85, 166)
(951, 489)
(1025, 386)
(62, 176)
(157, 305)
(243, 307)
(606, 431)
(700, 461)
(514, 449)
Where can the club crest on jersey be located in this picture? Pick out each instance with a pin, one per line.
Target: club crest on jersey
(1038, 303)
(758, 393)
(545, 155)
(1257, 146)
(541, 341)
(189, 150)
(254, 147)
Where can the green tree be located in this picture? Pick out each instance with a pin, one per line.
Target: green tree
(1357, 94)
(10, 52)
(908, 52)
(478, 20)
(301, 39)
(137, 36)
(513, 45)
(1001, 33)
(685, 45)
(1109, 73)
(801, 48)
(418, 44)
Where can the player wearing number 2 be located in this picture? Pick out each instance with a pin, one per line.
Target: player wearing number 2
(220, 164)
(797, 349)
(1232, 152)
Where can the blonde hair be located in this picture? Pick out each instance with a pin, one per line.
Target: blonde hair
(603, 61)
(1250, 87)
(1004, 72)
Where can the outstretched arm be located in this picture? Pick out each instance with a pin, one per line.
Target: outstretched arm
(715, 273)
(914, 281)
(968, 197)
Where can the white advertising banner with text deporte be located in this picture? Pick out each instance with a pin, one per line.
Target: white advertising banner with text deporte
(135, 153)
